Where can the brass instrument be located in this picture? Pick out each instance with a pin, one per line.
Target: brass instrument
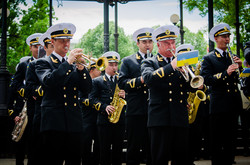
(20, 125)
(101, 63)
(194, 99)
(118, 103)
(148, 53)
(241, 79)
(196, 80)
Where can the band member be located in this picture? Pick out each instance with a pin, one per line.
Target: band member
(195, 128)
(90, 137)
(102, 96)
(33, 90)
(246, 88)
(225, 100)
(131, 81)
(18, 85)
(167, 111)
(61, 116)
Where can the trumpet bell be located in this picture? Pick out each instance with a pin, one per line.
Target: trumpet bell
(196, 81)
(102, 63)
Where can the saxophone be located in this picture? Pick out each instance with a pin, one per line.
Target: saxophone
(118, 103)
(20, 125)
(194, 99)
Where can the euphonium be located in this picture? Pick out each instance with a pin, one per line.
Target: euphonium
(194, 99)
(20, 125)
(118, 103)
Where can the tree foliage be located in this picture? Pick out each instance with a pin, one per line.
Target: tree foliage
(225, 11)
(20, 24)
(93, 41)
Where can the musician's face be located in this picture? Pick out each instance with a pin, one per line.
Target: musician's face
(112, 68)
(165, 46)
(222, 41)
(145, 45)
(49, 49)
(94, 73)
(61, 46)
(34, 50)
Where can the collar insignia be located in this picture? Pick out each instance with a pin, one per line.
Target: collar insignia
(159, 58)
(54, 60)
(138, 57)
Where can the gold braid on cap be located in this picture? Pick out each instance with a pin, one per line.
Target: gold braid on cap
(219, 32)
(175, 36)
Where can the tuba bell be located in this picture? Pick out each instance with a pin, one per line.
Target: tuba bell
(20, 126)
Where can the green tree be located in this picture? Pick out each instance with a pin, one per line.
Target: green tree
(224, 11)
(21, 24)
(92, 42)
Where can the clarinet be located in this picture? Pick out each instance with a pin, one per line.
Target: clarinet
(241, 80)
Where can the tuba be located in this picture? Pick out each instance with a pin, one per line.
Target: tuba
(20, 125)
(118, 103)
(194, 99)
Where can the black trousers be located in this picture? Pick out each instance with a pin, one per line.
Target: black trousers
(137, 139)
(169, 143)
(223, 130)
(61, 146)
(111, 143)
(89, 136)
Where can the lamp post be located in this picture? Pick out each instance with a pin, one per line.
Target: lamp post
(4, 73)
(174, 18)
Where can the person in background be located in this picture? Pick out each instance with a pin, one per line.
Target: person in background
(18, 84)
(90, 136)
(102, 95)
(131, 81)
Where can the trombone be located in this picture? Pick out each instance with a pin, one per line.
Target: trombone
(196, 80)
(101, 62)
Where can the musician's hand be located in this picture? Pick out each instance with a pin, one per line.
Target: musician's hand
(174, 63)
(34, 97)
(110, 109)
(237, 60)
(142, 81)
(121, 93)
(188, 107)
(74, 55)
(232, 68)
(17, 119)
(201, 87)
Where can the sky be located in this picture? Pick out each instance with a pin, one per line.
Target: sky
(131, 16)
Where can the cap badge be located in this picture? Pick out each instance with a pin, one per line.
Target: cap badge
(114, 57)
(65, 31)
(147, 34)
(188, 49)
(225, 28)
(167, 32)
(37, 38)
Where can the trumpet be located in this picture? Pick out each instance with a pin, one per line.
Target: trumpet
(101, 62)
(196, 80)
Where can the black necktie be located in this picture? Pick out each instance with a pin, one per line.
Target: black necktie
(224, 55)
(111, 79)
(63, 59)
(145, 56)
(169, 60)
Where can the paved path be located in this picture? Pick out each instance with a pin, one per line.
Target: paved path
(240, 160)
